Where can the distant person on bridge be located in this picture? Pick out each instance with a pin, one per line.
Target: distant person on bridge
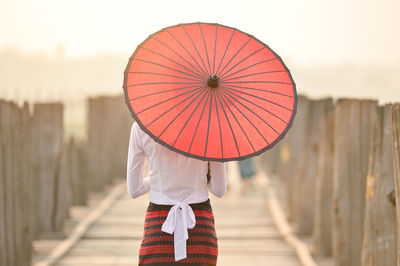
(179, 224)
(247, 171)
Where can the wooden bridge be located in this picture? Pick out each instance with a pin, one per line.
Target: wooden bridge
(327, 194)
(246, 230)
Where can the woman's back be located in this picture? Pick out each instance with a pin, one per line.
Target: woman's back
(172, 175)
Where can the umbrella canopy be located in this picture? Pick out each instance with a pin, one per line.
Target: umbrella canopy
(210, 92)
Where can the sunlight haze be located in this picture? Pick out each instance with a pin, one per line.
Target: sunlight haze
(306, 32)
(57, 50)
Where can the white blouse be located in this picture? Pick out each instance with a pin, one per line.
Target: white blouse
(174, 180)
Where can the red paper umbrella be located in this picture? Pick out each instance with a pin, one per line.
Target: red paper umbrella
(210, 92)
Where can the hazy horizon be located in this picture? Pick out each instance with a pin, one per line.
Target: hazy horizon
(69, 50)
(308, 31)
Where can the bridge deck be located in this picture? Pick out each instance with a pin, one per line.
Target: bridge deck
(245, 229)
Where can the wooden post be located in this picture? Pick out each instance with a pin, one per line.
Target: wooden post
(122, 122)
(26, 197)
(3, 229)
(353, 130)
(396, 159)
(380, 233)
(21, 166)
(305, 178)
(270, 161)
(15, 237)
(7, 248)
(96, 127)
(83, 172)
(322, 233)
(48, 145)
(63, 191)
(109, 125)
(291, 152)
(77, 180)
(8, 186)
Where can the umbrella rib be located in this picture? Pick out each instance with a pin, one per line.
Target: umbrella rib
(258, 106)
(184, 100)
(238, 51)
(229, 123)
(198, 123)
(259, 81)
(227, 94)
(158, 92)
(219, 124)
(241, 61)
(205, 47)
(215, 47)
(161, 74)
(195, 68)
(166, 57)
(195, 47)
(258, 97)
(187, 121)
(254, 74)
(155, 83)
(237, 121)
(226, 49)
(248, 88)
(190, 103)
(180, 43)
(167, 100)
(161, 65)
(240, 70)
(208, 127)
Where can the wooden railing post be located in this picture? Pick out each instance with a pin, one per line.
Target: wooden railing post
(380, 233)
(291, 151)
(7, 226)
(109, 125)
(322, 232)
(77, 177)
(396, 159)
(305, 179)
(48, 146)
(15, 193)
(354, 121)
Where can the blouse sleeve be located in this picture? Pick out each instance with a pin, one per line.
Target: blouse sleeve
(137, 185)
(218, 184)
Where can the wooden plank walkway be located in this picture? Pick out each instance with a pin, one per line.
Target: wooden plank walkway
(245, 229)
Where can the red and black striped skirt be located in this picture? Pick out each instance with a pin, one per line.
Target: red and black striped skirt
(157, 247)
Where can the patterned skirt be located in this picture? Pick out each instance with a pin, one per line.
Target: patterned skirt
(157, 248)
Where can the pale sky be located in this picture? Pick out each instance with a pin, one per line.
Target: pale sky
(305, 32)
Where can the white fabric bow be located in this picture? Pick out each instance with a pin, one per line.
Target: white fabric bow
(180, 218)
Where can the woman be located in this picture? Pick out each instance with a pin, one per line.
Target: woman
(179, 224)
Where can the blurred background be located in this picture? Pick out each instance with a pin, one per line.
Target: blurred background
(69, 50)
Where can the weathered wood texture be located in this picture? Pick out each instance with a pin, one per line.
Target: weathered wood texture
(63, 190)
(396, 160)
(305, 177)
(109, 124)
(78, 180)
(353, 130)
(41, 177)
(291, 152)
(272, 161)
(322, 232)
(380, 234)
(15, 192)
(48, 146)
